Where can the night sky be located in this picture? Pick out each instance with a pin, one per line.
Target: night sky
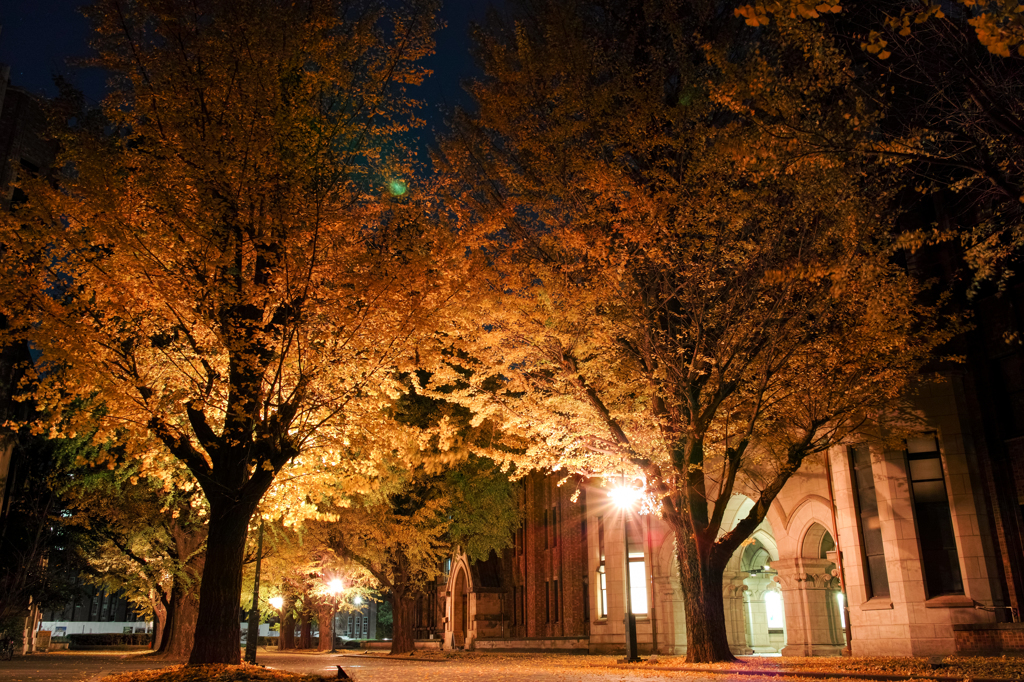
(39, 36)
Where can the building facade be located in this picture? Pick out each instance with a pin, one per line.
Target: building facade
(921, 534)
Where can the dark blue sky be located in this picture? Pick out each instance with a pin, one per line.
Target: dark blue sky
(39, 36)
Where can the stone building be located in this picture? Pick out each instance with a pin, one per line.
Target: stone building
(927, 536)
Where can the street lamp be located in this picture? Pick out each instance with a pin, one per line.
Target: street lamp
(278, 603)
(334, 587)
(624, 498)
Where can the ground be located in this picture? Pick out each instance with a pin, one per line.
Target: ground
(481, 667)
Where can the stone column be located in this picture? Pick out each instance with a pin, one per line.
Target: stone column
(806, 590)
(735, 622)
(757, 622)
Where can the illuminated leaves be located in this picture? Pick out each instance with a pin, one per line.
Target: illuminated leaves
(757, 14)
(679, 287)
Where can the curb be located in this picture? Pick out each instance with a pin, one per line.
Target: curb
(819, 675)
(396, 659)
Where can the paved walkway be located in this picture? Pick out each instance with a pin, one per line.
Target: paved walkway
(497, 667)
(91, 666)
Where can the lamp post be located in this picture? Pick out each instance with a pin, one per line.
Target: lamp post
(278, 603)
(624, 497)
(334, 587)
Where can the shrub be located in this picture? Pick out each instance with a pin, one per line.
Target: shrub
(109, 639)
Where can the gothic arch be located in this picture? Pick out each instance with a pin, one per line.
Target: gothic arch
(457, 610)
(810, 511)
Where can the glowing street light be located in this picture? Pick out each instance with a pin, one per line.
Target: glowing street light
(625, 497)
(278, 604)
(334, 587)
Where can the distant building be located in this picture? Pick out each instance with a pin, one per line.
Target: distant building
(94, 611)
(359, 624)
(930, 539)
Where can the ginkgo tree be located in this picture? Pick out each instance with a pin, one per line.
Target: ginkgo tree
(675, 288)
(220, 262)
(938, 103)
(146, 539)
(402, 531)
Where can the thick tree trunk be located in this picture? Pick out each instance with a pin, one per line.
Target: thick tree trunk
(159, 621)
(183, 602)
(287, 638)
(403, 609)
(700, 577)
(179, 633)
(305, 631)
(217, 631)
(325, 617)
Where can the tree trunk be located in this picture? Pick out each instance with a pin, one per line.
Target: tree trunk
(325, 616)
(159, 620)
(162, 633)
(403, 613)
(287, 638)
(700, 576)
(305, 630)
(218, 625)
(179, 632)
(183, 601)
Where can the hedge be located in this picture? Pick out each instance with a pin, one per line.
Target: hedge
(110, 639)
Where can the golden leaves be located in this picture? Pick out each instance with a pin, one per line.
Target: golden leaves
(757, 14)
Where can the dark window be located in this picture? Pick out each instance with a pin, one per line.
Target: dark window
(869, 523)
(554, 526)
(547, 528)
(554, 601)
(515, 596)
(547, 601)
(939, 558)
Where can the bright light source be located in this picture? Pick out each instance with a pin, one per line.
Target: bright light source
(357, 600)
(397, 187)
(335, 587)
(624, 497)
(276, 602)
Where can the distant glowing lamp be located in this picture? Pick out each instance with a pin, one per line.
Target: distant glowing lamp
(335, 587)
(357, 600)
(276, 602)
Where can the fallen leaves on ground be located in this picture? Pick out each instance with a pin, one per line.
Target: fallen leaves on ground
(1011, 667)
(212, 673)
(953, 666)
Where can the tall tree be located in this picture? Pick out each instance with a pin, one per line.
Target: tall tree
(402, 532)
(147, 540)
(39, 550)
(223, 265)
(939, 99)
(675, 289)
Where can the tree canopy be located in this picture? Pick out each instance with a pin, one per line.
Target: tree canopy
(674, 288)
(221, 262)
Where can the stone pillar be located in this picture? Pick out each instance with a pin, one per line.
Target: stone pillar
(735, 621)
(757, 621)
(806, 590)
